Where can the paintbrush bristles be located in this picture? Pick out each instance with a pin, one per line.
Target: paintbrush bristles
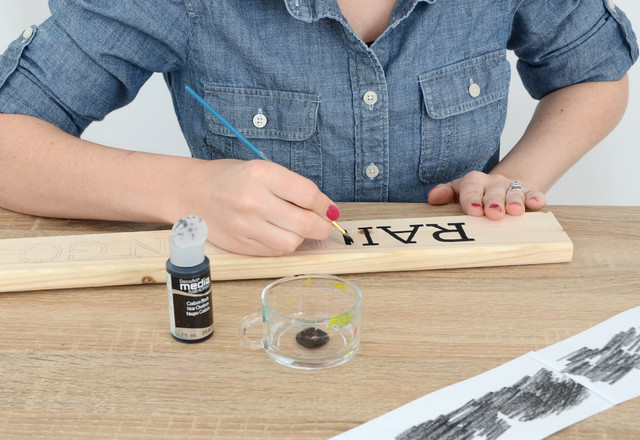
(347, 238)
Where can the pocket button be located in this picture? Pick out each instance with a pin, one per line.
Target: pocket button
(259, 120)
(474, 90)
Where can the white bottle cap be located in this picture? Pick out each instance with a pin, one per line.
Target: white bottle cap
(186, 243)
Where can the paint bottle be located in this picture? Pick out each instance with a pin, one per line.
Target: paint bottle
(189, 281)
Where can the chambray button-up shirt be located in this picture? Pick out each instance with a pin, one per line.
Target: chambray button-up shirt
(424, 104)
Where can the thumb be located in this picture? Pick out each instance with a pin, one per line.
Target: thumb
(442, 194)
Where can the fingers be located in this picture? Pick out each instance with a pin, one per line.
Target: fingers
(491, 195)
(495, 200)
(255, 237)
(303, 193)
(471, 189)
(298, 205)
(261, 208)
(535, 200)
(504, 196)
(298, 220)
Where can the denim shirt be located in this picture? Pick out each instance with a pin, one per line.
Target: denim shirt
(423, 104)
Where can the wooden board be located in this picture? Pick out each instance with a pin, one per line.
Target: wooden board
(380, 246)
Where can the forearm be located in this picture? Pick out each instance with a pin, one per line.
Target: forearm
(251, 207)
(565, 126)
(50, 173)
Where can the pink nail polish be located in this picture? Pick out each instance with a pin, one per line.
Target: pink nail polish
(496, 206)
(476, 205)
(333, 213)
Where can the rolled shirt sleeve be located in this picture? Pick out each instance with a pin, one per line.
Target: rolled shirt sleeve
(90, 58)
(564, 42)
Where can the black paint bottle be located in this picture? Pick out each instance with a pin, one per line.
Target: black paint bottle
(189, 281)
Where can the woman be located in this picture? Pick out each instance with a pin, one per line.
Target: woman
(352, 101)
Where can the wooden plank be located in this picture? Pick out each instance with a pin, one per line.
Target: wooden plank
(380, 246)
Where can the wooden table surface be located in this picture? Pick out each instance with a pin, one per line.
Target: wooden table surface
(100, 363)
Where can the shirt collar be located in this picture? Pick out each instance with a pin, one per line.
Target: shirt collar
(313, 10)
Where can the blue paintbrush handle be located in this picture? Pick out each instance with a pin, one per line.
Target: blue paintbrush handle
(227, 124)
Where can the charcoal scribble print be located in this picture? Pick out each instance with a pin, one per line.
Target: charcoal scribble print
(607, 364)
(531, 398)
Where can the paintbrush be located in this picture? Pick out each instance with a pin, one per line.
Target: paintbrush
(347, 238)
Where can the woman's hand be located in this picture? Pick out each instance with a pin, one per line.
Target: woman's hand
(565, 125)
(256, 207)
(487, 194)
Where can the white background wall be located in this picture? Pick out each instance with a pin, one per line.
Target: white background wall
(608, 175)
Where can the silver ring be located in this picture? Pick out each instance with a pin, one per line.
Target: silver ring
(515, 186)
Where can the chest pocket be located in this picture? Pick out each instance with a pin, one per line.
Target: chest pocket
(465, 107)
(281, 124)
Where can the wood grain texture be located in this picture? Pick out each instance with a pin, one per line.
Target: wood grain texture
(381, 245)
(100, 363)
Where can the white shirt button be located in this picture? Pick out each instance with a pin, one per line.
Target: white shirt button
(259, 120)
(372, 171)
(370, 98)
(474, 90)
(28, 32)
(612, 4)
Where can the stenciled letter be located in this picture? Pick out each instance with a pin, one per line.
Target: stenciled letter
(394, 234)
(367, 235)
(459, 230)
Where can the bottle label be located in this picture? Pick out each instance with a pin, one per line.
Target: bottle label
(190, 303)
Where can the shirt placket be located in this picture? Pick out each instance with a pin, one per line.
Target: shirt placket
(369, 102)
(371, 130)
